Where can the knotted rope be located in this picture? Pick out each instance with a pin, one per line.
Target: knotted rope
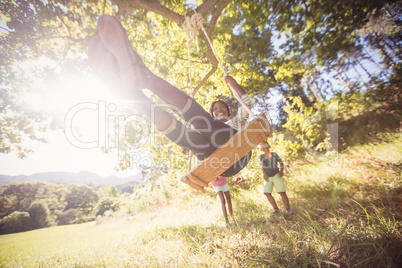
(191, 26)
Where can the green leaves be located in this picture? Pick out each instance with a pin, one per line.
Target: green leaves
(322, 35)
(307, 128)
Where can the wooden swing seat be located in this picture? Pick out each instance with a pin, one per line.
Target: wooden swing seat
(257, 131)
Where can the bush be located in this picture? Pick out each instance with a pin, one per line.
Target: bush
(40, 214)
(70, 216)
(306, 128)
(106, 203)
(16, 222)
(82, 197)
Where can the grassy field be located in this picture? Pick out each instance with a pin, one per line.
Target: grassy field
(348, 214)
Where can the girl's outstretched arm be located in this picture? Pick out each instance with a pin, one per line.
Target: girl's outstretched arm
(233, 83)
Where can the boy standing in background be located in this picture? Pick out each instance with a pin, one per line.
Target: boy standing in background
(272, 169)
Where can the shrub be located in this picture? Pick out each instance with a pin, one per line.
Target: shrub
(40, 214)
(16, 222)
(106, 203)
(70, 216)
(307, 130)
(82, 197)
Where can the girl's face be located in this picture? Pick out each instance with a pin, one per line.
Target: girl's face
(264, 147)
(220, 112)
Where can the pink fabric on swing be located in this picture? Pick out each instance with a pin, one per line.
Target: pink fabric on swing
(220, 181)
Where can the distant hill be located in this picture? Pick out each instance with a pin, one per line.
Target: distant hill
(83, 177)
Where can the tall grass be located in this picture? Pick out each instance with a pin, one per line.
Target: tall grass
(347, 215)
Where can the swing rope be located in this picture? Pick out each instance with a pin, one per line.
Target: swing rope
(192, 26)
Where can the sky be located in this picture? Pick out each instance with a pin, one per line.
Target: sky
(76, 104)
(60, 155)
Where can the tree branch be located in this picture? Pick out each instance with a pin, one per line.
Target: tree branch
(210, 54)
(154, 6)
(215, 16)
(205, 79)
(203, 9)
(278, 7)
(6, 30)
(149, 5)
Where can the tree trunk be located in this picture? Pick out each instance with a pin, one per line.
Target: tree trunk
(267, 108)
(359, 76)
(364, 69)
(387, 58)
(318, 88)
(312, 92)
(392, 47)
(381, 68)
(344, 83)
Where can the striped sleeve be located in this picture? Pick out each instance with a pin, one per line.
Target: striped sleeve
(240, 119)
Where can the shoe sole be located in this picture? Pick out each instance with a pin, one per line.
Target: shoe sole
(115, 39)
(103, 63)
(99, 56)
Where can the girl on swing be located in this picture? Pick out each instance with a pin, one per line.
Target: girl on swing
(112, 58)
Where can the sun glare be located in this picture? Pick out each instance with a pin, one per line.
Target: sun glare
(75, 102)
